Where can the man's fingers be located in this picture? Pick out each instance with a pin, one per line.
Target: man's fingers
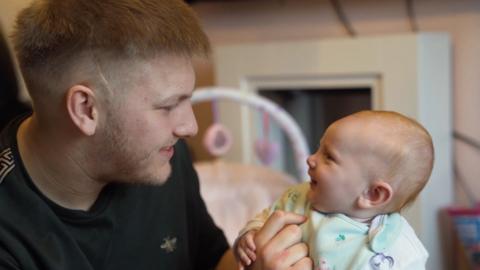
(278, 242)
(250, 242)
(274, 224)
(288, 258)
(304, 264)
(287, 237)
(294, 254)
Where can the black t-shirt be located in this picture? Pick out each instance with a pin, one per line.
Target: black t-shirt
(129, 226)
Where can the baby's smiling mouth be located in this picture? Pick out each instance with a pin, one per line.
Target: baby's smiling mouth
(313, 182)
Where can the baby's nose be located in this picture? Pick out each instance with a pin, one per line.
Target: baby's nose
(310, 162)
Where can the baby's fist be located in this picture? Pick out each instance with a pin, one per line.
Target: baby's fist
(245, 248)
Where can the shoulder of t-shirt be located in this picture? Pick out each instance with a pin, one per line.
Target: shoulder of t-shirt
(7, 148)
(7, 261)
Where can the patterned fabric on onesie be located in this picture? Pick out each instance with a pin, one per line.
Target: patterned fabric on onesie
(338, 242)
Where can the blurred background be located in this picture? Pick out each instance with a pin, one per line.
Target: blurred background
(242, 22)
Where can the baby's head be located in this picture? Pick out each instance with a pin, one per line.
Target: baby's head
(369, 163)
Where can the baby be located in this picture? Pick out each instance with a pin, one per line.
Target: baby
(368, 167)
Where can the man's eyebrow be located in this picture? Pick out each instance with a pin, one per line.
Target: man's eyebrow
(173, 99)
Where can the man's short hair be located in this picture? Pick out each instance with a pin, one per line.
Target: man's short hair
(51, 35)
(49, 28)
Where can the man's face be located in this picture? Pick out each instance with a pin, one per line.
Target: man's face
(339, 170)
(135, 141)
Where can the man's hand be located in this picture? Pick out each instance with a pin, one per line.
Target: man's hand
(278, 244)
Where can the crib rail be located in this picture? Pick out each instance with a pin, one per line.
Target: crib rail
(278, 114)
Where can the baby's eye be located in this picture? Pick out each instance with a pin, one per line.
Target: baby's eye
(329, 157)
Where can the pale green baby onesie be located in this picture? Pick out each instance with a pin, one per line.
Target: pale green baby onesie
(338, 242)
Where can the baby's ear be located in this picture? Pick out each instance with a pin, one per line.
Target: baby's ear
(377, 195)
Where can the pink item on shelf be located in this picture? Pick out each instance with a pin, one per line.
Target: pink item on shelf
(466, 222)
(217, 140)
(266, 150)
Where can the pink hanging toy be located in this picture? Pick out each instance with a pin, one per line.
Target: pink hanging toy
(265, 149)
(217, 139)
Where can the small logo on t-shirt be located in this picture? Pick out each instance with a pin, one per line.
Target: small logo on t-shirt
(169, 244)
(6, 163)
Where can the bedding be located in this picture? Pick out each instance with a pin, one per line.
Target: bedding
(235, 192)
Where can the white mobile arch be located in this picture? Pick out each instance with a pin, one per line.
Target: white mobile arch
(279, 115)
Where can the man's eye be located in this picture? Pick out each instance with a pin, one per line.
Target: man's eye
(166, 108)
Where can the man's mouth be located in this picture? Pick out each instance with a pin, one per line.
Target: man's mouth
(168, 151)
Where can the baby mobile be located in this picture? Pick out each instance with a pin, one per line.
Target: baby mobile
(218, 139)
(265, 149)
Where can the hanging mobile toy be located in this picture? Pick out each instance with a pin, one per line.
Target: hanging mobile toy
(265, 149)
(281, 117)
(217, 139)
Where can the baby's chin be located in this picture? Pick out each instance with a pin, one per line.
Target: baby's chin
(322, 210)
(321, 207)
(326, 211)
(316, 206)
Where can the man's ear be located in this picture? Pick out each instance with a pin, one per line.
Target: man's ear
(377, 195)
(82, 108)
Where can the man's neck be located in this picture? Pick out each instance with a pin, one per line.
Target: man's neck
(52, 166)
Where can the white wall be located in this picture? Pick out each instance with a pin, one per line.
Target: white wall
(8, 11)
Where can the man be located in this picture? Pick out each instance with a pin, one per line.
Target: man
(88, 180)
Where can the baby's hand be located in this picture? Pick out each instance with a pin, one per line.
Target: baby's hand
(245, 249)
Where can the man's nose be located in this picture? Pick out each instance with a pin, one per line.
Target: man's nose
(186, 123)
